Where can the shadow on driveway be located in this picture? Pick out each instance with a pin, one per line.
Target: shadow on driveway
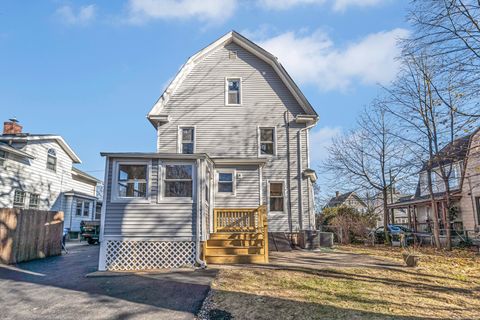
(56, 288)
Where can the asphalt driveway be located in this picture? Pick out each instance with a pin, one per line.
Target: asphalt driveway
(56, 288)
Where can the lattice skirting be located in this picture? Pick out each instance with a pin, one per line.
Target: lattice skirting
(148, 255)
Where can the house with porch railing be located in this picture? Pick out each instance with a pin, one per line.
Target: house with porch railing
(232, 164)
(460, 158)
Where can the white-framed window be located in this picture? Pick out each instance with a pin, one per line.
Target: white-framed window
(267, 138)
(276, 196)
(19, 198)
(132, 180)
(52, 159)
(178, 180)
(233, 91)
(33, 201)
(82, 208)
(3, 157)
(226, 181)
(186, 139)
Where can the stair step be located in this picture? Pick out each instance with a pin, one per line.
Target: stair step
(240, 236)
(216, 251)
(233, 259)
(233, 243)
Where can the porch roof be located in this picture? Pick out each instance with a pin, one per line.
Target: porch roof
(154, 155)
(422, 200)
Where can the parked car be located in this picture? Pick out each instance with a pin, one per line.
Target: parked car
(395, 231)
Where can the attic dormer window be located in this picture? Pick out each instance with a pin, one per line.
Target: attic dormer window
(52, 160)
(233, 94)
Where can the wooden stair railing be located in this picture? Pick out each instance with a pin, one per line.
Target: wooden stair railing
(240, 236)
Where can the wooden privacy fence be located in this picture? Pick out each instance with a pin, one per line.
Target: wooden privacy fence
(29, 234)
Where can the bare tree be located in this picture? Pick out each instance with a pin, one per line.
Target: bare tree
(364, 157)
(424, 101)
(449, 32)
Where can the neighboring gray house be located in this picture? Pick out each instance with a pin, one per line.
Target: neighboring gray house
(232, 133)
(36, 172)
(349, 199)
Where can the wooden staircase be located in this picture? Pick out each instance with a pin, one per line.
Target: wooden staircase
(241, 236)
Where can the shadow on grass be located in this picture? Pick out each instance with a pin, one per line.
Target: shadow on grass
(249, 306)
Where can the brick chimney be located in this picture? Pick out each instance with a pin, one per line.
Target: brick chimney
(12, 127)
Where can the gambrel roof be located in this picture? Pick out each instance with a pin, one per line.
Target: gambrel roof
(156, 113)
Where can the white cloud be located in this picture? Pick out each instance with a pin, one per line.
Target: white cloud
(213, 11)
(320, 140)
(337, 5)
(314, 58)
(84, 15)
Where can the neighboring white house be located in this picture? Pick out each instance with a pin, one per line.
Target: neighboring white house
(36, 172)
(232, 135)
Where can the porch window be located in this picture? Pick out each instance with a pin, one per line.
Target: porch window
(132, 181)
(267, 141)
(34, 201)
(86, 208)
(82, 208)
(187, 140)
(276, 196)
(179, 180)
(51, 160)
(19, 198)
(226, 182)
(233, 91)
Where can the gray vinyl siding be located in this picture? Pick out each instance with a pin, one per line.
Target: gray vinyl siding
(155, 219)
(232, 131)
(247, 189)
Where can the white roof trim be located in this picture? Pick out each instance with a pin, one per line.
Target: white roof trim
(248, 45)
(9, 149)
(58, 139)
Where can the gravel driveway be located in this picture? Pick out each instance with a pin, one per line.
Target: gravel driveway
(56, 288)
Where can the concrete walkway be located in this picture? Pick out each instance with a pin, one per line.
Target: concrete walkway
(56, 288)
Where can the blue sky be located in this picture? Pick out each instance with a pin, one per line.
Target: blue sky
(91, 70)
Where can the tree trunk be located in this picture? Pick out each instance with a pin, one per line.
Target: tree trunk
(385, 216)
(436, 227)
(448, 223)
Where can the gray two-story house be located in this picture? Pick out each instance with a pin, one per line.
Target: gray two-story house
(232, 142)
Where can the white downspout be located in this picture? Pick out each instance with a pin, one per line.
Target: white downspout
(301, 172)
(202, 263)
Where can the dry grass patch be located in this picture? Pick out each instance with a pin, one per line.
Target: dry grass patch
(445, 286)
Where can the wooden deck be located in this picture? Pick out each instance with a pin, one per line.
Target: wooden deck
(240, 236)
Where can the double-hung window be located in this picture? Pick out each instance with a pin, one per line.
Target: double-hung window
(267, 141)
(187, 140)
(86, 208)
(276, 196)
(3, 157)
(51, 160)
(19, 198)
(79, 208)
(226, 182)
(178, 181)
(34, 201)
(132, 181)
(234, 94)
